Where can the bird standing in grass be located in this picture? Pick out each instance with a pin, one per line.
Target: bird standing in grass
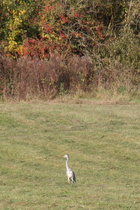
(70, 174)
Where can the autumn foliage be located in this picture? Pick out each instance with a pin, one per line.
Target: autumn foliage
(65, 46)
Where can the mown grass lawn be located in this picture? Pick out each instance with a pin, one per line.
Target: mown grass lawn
(103, 142)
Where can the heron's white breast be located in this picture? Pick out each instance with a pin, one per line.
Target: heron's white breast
(69, 173)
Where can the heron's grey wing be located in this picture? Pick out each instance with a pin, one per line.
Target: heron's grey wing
(74, 177)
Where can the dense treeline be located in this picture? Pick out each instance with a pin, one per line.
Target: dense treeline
(48, 47)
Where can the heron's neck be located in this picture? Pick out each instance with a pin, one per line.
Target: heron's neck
(67, 164)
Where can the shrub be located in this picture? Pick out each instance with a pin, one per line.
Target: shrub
(29, 77)
(40, 78)
(6, 76)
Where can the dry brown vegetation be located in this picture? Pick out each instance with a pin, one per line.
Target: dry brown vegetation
(28, 78)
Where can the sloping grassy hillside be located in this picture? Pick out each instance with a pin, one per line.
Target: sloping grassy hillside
(102, 141)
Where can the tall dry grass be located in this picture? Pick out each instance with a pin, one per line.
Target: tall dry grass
(28, 78)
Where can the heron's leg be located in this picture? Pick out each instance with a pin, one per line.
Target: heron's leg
(68, 180)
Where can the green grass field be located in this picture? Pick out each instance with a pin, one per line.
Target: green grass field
(103, 142)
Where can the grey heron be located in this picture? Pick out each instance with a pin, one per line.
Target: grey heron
(70, 174)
